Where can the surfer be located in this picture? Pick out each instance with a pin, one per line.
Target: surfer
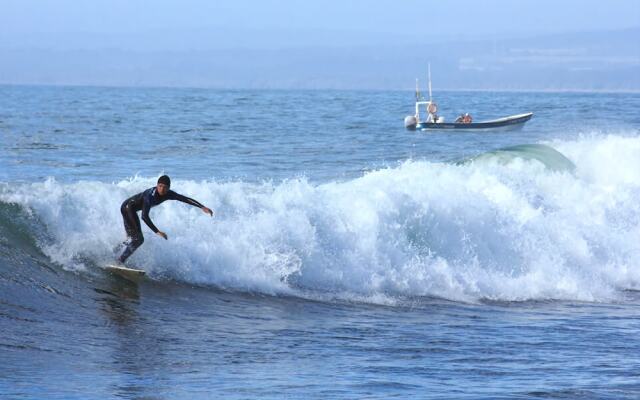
(144, 201)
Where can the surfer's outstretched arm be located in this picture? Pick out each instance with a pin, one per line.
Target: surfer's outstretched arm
(145, 217)
(189, 200)
(147, 220)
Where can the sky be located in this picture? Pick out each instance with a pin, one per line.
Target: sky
(344, 44)
(352, 20)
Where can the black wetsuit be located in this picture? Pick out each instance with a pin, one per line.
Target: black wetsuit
(144, 201)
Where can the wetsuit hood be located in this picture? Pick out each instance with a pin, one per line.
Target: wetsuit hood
(164, 179)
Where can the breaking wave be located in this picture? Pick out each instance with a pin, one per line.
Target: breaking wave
(529, 222)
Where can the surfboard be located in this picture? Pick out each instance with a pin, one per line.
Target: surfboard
(134, 275)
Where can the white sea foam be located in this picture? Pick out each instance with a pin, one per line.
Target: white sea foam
(501, 231)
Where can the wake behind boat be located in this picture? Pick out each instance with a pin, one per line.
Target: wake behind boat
(463, 123)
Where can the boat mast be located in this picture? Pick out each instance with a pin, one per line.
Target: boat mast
(429, 82)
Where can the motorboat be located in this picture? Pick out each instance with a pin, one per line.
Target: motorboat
(512, 122)
(464, 122)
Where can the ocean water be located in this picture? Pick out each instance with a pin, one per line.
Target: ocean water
(348, 257)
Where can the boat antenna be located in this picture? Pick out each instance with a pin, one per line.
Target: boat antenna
(417, 91)
(429, 64)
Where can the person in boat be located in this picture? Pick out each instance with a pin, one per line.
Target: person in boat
(432, 118)
(432, 110)
(464, 119)
(144, 201)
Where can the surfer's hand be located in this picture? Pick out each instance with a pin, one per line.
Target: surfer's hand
(162, 235)
(207, 211)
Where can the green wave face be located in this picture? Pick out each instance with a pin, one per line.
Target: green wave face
(17, 230)
(548, 156)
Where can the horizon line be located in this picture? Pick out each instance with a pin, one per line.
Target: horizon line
(239, 88)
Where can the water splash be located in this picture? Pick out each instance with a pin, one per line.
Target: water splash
(528, 228)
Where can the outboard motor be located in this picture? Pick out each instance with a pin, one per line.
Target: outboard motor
(410, 122)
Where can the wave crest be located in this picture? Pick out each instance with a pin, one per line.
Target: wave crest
(511, 231)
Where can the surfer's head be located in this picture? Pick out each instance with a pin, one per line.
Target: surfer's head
(164, 183)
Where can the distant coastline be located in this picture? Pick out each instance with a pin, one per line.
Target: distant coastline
(607, 61)
(440, 90)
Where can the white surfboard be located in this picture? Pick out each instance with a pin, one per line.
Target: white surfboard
(134, 275)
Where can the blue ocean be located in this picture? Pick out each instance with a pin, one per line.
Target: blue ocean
(348, 258)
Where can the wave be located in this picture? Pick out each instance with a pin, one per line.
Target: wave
(504, 228)
(548, 156)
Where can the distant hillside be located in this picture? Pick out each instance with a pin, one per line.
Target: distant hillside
(607, 61)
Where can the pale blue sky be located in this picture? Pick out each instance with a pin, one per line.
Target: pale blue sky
(471, 44)
(355, 20)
